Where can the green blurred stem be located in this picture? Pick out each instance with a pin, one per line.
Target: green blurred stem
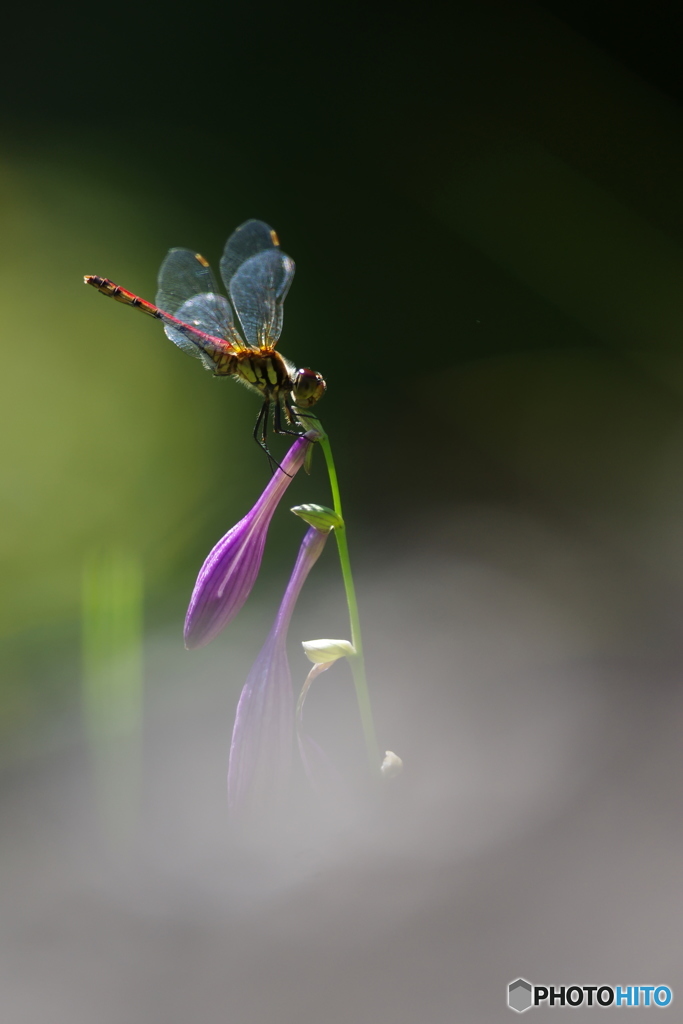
(356, 661)
(113, 684)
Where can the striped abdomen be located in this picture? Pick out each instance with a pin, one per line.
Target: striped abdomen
(220, 352)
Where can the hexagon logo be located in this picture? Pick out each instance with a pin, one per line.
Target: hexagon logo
(519, 995)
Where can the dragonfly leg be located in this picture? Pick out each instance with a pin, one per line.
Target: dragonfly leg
(261, 438)
(306, 419)
(261, 435)
(277, 419)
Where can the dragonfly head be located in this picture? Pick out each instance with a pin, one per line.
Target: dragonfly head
(309, 388)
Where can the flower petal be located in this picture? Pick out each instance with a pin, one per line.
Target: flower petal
(261, 748)
(230, 570)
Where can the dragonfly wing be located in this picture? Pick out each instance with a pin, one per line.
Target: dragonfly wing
(258, 290)
(201, 312)
(250, 238)
(183, 274)
(187, 290)
(186, 275)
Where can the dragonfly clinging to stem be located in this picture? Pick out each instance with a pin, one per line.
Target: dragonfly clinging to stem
(198, 319)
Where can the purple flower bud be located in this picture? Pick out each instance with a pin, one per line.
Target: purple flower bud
(230, 570)
(262, 737)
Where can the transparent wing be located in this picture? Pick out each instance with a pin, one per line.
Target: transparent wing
(250, 238)
(193, 313)
(183, 274)
(187, 290)
(258, 290)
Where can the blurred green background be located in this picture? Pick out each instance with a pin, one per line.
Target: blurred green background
(485, 209)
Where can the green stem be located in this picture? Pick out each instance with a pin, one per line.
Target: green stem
(356, 661)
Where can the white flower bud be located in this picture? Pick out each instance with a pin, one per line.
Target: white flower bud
(392, 765)
(322, 652)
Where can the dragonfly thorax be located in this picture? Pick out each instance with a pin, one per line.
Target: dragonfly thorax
(272, 375)
(268, 373)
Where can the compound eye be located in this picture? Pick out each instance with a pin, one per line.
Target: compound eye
(309, 388)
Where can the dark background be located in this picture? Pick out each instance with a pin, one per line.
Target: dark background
(485, 209)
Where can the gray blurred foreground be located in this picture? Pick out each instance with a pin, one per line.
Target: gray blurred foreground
(529, 681)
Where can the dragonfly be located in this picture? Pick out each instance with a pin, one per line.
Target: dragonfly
(198, 319)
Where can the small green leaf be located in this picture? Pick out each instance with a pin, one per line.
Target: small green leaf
(319, 516)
